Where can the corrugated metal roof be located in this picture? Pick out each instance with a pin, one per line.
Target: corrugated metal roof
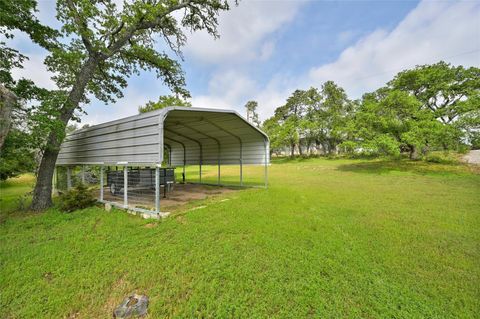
(194, 136)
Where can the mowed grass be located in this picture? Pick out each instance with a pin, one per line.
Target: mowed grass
(13, 193)
(327, 239)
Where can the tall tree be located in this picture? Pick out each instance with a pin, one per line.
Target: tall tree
(450, 93)
(327, 114)
(164, 101)
(390, 121)
(290, 117)
(252, 115)
(103, 46)
(19, 98)
(272, 127)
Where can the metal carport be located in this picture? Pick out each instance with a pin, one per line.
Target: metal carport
(193, 136)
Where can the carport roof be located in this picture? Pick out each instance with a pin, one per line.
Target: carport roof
(193, 136)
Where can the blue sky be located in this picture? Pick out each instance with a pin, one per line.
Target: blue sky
(267, 49)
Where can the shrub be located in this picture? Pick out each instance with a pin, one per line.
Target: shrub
(441, 158)
(77, 198)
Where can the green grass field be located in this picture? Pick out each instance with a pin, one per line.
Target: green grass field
(328, 239)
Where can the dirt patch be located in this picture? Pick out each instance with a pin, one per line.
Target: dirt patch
(473, 157)
(118, 291)
(150, 225)
(179, 196)
(73, 315)
(48, 276)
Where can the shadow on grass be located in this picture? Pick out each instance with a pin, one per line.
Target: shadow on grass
(416, 167)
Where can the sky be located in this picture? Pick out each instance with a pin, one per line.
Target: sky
(267, 49)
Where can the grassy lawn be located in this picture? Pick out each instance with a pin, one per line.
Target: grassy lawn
(328, 239)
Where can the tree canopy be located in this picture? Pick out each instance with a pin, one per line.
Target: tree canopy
(252, 114)
(426, 108)
(163, 101)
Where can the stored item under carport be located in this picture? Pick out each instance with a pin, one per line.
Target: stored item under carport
(140, 178)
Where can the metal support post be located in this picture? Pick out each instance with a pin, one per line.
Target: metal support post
(101, 183)
(55, 180)
(201, 160)
(219, 160)
(241, 163)
(157, 189)
(83, 174)
(184, 162)
(266, 163)
(125, 186)
(69, 178)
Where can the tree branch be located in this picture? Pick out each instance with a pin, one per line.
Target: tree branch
(143, 25)
(81, 25)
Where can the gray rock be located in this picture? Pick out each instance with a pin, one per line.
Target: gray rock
(132, 306)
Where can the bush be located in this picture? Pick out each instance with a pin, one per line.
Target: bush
(15, 156)
(441, 158)
(463, 149)
(77, 198)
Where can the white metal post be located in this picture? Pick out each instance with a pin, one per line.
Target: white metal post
(69, 178)
(125, 186)
(184, 162)
(201, 160)
(55, 180)
(157, 189)
(83, 174)
(101, 183)
(218, 173)
(266, 163)
(241, 164)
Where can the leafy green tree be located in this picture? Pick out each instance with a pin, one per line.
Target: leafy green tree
(290, 118)
(450, 93)
(273, 129)
(252, 115)
(19, 98)
(327, 115)
(16, 155)
(391, 121)
(164, 101)
(103, 45)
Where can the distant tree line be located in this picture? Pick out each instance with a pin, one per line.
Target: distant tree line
(430, 107)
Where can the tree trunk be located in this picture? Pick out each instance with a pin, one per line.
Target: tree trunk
(7, 102)
(292, 150)
(413, 152)
(42, 194)
(300, 149)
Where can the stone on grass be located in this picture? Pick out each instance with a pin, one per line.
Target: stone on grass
(108, 207)
(131, 307)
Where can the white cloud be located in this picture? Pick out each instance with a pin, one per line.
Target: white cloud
(35, 70)
(243, 31)
(431, 32)
(226, 90)
(128, 105)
